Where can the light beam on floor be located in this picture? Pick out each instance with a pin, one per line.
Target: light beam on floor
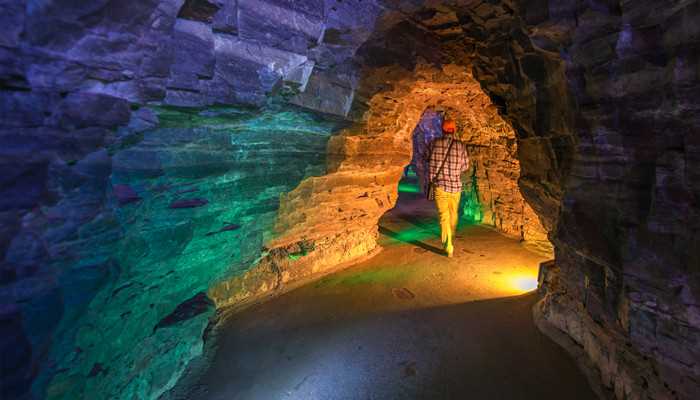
(523, 283)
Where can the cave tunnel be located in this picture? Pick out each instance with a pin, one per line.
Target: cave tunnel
(209, 199)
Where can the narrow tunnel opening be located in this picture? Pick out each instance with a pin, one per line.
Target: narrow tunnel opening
(499, 243)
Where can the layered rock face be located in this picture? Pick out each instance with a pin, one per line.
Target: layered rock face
(495, 172)
(628, 283)
(332, 219)
(117, 217)
(118, 210)
(175, 208)
(626, 289)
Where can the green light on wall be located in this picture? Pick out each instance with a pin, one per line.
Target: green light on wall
(408, 188)
(471, 208)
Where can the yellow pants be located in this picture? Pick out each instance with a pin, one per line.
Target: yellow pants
(448, 212)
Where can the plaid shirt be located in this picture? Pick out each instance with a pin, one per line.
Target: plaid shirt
(457, 162)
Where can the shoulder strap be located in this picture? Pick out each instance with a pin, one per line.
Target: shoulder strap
(443, 160)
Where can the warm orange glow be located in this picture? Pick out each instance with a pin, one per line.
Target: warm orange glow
(497, 281)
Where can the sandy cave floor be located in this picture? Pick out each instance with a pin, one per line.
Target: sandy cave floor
(406, 324)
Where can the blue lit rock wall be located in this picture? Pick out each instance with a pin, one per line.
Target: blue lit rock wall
(117, 212)
(165, 213)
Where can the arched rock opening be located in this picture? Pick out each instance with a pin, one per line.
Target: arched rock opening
(491, 195)
(409, 63)
(337, 214)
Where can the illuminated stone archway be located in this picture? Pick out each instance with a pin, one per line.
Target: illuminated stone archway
(333, 219)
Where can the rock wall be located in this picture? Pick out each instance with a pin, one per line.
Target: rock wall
(627, 285)
(128, 187)
(629, 225)
(174, 208)
(495, 171)
(111, 221)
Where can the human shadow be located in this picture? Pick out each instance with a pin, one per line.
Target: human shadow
(419, 218)
(396, 236)
(427, 223)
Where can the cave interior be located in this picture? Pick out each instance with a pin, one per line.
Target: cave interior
(176, 174)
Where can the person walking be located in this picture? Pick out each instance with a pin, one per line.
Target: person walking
(447, 158)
